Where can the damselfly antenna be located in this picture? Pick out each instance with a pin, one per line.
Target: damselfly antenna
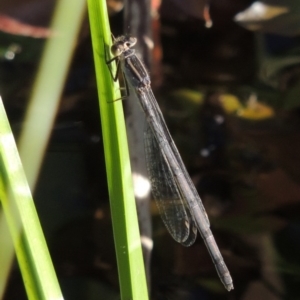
(113, 37)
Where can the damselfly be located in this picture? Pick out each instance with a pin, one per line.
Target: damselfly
(178, 201)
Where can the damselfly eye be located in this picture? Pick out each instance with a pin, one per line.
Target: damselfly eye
(132, 41)
(116, 50)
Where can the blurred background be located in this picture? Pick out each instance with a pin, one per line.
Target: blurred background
(226, 75)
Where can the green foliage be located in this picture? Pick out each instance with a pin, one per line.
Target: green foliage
(23, 223)
(123, 210)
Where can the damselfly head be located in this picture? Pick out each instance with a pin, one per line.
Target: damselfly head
(121, 44)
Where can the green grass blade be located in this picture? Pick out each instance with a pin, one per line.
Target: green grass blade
(49, 84)
(125, 224)
(31, 249)
(7, 252)
(42, 107)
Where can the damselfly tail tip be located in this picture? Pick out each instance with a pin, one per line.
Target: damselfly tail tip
(227, 281)
(229, 287)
